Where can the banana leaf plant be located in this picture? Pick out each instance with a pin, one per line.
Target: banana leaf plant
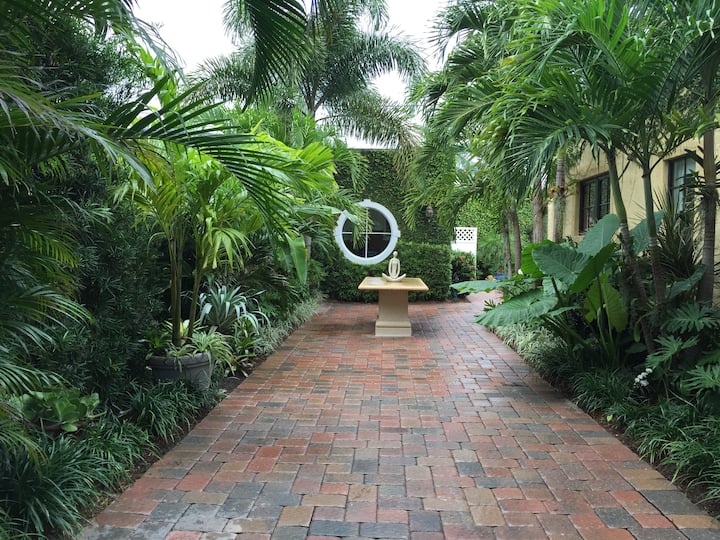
(570, 290)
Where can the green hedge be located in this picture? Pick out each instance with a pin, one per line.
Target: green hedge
(429, 262)
(384, 187)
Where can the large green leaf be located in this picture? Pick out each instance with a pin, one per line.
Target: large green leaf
(467, 287)
(560, 262)
(603, 296)
(594, 268)
(278, 30)
(686, 285)
(599, 235)
(639, 233)
(298, 254)
(521, 308)
(528, 265)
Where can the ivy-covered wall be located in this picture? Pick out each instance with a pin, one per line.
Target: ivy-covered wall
(385, 187)
(424, 249)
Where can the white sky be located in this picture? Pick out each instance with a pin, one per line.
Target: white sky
(194, 30)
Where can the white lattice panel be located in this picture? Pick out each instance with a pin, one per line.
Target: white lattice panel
(466, 234)
(465, 240)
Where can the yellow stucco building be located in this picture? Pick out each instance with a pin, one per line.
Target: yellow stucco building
(588, 188)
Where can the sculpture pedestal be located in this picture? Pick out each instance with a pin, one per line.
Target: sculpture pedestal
(393, 320)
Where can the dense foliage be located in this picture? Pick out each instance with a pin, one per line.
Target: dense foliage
(666, 398)
(138, 217)
(429, 262)
(115, 182)
(385, 186)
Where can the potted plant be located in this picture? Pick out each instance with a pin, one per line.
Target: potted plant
(202, 213)
(205, 201)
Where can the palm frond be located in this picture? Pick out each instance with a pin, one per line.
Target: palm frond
(278, 31)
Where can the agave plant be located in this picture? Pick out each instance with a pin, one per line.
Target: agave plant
(223, 308)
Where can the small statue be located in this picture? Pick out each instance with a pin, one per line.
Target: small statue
(393, 269)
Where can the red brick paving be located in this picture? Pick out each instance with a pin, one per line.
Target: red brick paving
(443, 435)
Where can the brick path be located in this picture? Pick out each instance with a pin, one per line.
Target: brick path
(444, 435)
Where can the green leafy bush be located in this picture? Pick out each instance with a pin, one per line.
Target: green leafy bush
(463, 267)
(166, 409)
(429, 262)
(121, 445)
(63, 408)
(223, 307)
(48, 497)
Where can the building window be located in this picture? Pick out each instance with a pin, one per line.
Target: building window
(375, 240)
(680, 180)
(594, 200)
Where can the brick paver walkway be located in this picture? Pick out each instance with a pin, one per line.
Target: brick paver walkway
(444, 435)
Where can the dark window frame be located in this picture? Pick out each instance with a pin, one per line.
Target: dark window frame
(678, 190)
(592, 206)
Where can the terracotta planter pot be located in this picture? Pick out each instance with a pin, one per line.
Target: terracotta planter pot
(194, 367)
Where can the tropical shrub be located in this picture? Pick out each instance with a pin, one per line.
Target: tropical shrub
(219, 349)
(223, 308)
(50, 496)
(430, 262)
(572, 291)
(463, 267)
(121, 445)
(62, 408)
(167, 409)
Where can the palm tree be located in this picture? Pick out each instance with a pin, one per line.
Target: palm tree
(331, 77)
(697, 21)
(457, 101)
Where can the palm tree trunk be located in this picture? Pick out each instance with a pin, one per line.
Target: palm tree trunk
(517, 240)
(175, 290)
(192, 316)
(559, 213)
(506, 241)
(631, 269)
(539, 206)
(653, 246)
(709, 203)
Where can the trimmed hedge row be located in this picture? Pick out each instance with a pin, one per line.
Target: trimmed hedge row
(429, 262)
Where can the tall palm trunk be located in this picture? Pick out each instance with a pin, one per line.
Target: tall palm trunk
(653, 245)
(559, 213)
(175, 255)
(508, 250)
(539, 207)
(709, 201)
(517, 240)
(631, 270)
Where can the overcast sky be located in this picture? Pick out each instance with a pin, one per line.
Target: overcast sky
(195, 30)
